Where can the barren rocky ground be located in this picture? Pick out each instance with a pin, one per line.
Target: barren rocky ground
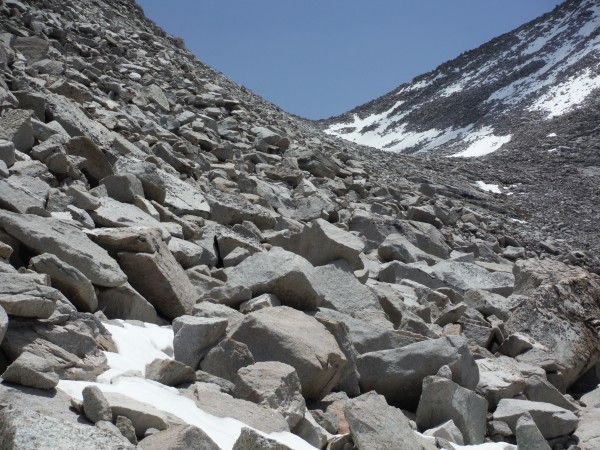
(184, 265)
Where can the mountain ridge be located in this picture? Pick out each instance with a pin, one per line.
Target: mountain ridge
(475, 99)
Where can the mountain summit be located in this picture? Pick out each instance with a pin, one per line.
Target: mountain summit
(482, 100)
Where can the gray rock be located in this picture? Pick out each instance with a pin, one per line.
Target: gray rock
(226, 359)
(179, 437)
(488, 303)
(195, 336)
(160, 279)
(396, 247)
(181, 197)
(465, 276)
(142, 415)
(260, 302)
(66, 278)
(515, 344)
(448, 431)
(126, 428)
(395, 272)
(566, 342)
(499, 378)
(251, 440)
(23, 193)
(170, 372)
(31, 370)
(17, 125)
(341, 290)
(68, 243)
(27, 295)
(385, 370)
(321, 243)
(288, 276)
(186, 253)
(7, 152)
(588, 431)
(310, 430)
(95, 165)
(112, 213)
(289, 336)
(33, 48)
(528, 434)
(222, 405)
(444, 400)
(126, 303)
(123, 187)
(553, 421)
(3, 323)
(538, 389)
(95, 405)
(20, 427)
(274, 385)
(375, 425)
(228, 295)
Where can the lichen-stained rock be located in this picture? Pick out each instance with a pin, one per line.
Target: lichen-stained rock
(560, 301)
(67, 242)
(288, 276)
(17, 125)
(292, 337)
(21, 427)
(398, 373)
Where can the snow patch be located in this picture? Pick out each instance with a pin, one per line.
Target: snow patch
(493, 188)
(482, 143)
(139, 345)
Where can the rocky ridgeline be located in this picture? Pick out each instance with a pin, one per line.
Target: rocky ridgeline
(349, 299)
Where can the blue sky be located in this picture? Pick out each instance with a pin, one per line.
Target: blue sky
(318, 58)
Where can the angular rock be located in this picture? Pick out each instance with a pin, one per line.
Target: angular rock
(223, 405)
(396, 247)
(95, 405)
(23, 193)
(565, 295)
(499, 378)
(17, 125)
(274, 385)
(528, 434)
(444, 400)
(385, 370)
(375, 425)
(26, 295)
(123, 187)
(289, 336)
(142, 415)
(195, 336)
(66, 278)
(288, 276)
(170, 372)
(321, 243)
(68, 243)
(448, 431)
(251, 440)
(33, 48)
(465, 276)
(226, 359)
(260, 302)
(124, 302)
(3, 323)
(179, 437)
(160, 279)
(31, 370)
(553, 421)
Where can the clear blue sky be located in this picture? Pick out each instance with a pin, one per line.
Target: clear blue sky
(318, 58)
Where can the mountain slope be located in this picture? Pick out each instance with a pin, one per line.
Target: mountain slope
(475, 104)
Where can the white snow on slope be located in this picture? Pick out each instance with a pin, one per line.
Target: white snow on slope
(138, 346)
(482, 143)
(493, 188)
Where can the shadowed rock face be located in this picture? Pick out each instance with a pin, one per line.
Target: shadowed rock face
(295, 269)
